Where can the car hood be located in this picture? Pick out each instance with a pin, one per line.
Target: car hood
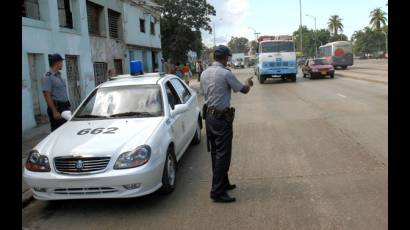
(130, 133)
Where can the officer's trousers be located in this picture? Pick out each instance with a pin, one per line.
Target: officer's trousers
(60, 106)
(219, 133)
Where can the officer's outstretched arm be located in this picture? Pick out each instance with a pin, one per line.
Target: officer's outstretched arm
(247, 87)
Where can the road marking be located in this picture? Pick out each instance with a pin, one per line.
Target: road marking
(341, 95)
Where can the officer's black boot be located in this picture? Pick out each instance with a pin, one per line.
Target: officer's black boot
(224, 198)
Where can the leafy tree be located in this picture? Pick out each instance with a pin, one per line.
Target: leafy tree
(238, 44)
(181, 22)
(377, 17)
(335, 24)
(368, 41)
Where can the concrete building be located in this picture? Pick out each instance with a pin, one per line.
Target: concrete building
(50, 26)
(94, 36)
(142, 34)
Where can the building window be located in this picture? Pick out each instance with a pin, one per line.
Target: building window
(114, 23)
(64, 14)
(100, 72)
(118, 66)
(152, 28)
(31, 9)
(94, 16)
(142, 25)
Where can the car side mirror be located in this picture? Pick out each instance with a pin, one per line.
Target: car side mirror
(178, 109)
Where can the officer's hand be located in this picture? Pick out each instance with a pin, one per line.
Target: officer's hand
(56, 115)
(249, 81)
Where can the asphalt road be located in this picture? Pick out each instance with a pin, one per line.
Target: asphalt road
(306, 155)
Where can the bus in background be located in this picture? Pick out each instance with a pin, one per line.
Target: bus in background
(339, 53)
(276, 58)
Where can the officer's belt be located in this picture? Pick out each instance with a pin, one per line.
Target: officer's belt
(211, 110)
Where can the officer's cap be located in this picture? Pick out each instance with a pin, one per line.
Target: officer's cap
(222, 51)
(54, 58)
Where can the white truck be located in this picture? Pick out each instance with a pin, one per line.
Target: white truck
(238, 60)
(276, 58)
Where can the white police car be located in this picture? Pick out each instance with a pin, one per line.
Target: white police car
(124, 140)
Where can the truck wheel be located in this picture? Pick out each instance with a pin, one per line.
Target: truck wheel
(261, 79)
(283, 78)
(332, 76)
(344, 67)
(293, 78)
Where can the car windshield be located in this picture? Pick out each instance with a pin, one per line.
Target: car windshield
(269, 47)
(320, 62)
(122, 101)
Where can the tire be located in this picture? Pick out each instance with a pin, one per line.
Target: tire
(332, 76)
(344, 67)
(283, 78)
(304, 75)
(197, 136)
(261, 79)
(293, 78)
(169, 176)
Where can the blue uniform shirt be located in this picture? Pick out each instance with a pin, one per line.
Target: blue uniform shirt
(55, 85)
(216, 84)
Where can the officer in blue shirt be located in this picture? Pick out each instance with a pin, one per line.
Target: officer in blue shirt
(55, 92)
(217, 81)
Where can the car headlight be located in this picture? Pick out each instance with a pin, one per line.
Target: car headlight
(134, 158)
(37, 163)
(315, 70)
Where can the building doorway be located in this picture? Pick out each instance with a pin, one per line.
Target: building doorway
(73, 80)
(36, 72)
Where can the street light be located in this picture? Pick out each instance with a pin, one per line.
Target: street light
(300, 30)
(214, 31)
(314, 33)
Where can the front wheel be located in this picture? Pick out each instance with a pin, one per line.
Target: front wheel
(197, 136)
(261, 79)
(169, 174)
(293, 78)
(332, 76)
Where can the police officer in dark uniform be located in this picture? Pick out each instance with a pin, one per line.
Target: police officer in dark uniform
(216, 83)
(55, 92)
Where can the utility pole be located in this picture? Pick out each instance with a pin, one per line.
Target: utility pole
(257, 33)
(314, 33)
(214, 33)
(300, 33)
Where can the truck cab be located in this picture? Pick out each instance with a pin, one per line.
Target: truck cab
(276, 58)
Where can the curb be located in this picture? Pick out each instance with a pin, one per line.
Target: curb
(363, 79)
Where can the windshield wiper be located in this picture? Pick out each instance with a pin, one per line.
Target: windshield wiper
(90, 116)
(131, 114)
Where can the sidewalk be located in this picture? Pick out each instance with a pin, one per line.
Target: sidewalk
(30, 139)
(362, 76)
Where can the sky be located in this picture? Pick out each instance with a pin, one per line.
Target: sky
(241, 18)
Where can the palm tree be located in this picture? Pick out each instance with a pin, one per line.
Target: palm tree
(335, 24)
(377, 17)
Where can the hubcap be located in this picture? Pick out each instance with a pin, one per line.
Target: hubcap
(171, 170)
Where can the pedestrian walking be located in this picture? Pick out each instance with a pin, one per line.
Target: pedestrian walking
(186, 72)
(199, 69)
(55, 92)
(217, 81)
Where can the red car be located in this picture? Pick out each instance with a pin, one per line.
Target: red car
(318, 67)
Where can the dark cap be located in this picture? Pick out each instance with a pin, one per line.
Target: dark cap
(222, 51)
(54, 58)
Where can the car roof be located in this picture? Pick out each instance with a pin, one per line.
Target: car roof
(145, 79)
